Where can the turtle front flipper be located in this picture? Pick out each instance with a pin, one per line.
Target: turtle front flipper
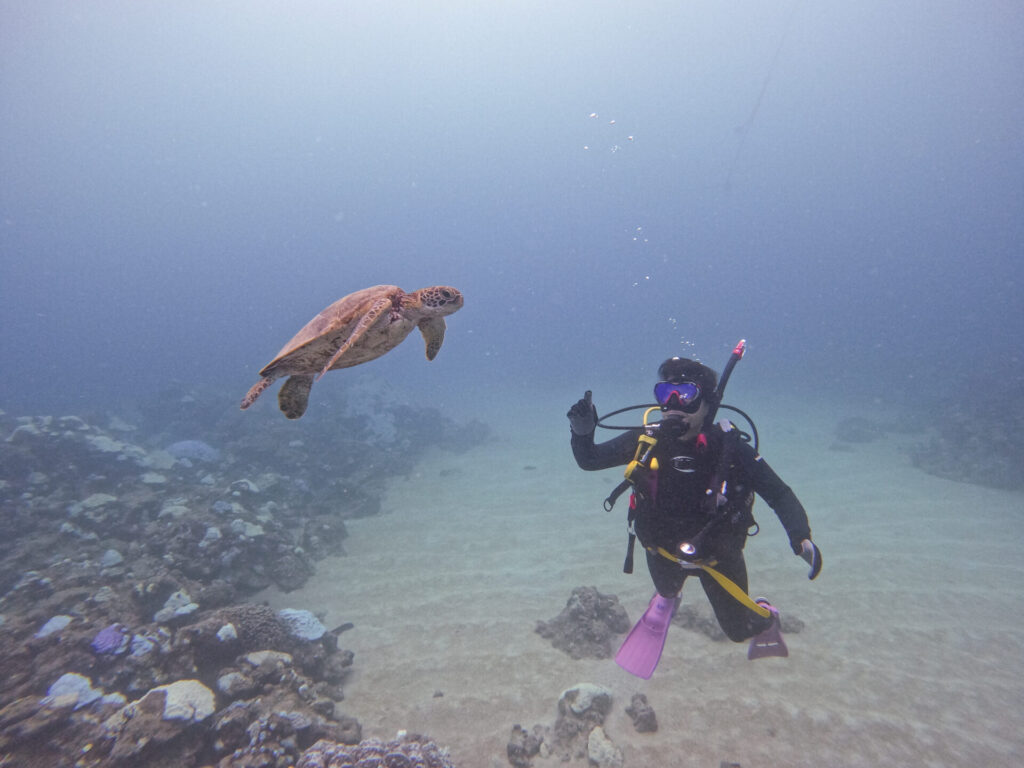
(373, 314)
(293, 397)
(432, 329)
(257, 389)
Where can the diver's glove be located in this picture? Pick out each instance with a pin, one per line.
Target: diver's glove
(812, 555)
(583, 416)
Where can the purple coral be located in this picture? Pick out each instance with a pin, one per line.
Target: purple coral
(111, 640)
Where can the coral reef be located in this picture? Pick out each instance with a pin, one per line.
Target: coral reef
(587, 625)
(128, 552)
(977, 440)
(118, 508)
(150, 692)
(406, 751)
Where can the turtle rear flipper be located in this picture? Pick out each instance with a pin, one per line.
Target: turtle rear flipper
(257, 389)
(293, 397)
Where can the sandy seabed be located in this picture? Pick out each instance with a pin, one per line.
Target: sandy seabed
(911, 655)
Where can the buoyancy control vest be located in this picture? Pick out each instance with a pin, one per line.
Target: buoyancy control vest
(689, 501)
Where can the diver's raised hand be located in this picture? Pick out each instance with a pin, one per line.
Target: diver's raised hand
(583, 416)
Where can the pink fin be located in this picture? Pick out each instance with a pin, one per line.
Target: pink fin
(769, 642)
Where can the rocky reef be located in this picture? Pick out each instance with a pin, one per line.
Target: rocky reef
(577, 736)
(977, 440)
(131, 545)
(698, 617)
(221, 685)
(587, 626)
(405, 751)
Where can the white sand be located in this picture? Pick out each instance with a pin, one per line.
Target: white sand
(911, 655)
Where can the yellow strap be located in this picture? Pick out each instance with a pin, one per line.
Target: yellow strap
(733, 589)
(726, 583)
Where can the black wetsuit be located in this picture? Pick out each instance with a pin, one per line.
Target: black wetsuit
(674, 512)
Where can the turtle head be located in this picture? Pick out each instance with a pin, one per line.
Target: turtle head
(440, 300)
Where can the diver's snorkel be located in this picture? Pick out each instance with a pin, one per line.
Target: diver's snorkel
(716, 401)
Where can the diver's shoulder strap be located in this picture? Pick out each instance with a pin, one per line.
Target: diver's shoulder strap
(643, 457)
(718, 487)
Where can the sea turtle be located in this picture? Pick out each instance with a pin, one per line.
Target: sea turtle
(355, 329)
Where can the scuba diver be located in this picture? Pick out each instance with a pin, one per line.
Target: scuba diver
(693, 484)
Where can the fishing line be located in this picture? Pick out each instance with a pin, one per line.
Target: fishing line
(744, 128)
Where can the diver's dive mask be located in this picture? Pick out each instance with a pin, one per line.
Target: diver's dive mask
(678, 396)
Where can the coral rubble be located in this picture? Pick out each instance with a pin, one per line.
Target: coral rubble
(577, 736)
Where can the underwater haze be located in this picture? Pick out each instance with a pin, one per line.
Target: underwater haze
(184, 185)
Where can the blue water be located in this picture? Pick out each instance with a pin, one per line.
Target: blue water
(184, 185)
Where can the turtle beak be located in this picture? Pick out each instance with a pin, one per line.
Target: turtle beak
(449, 297)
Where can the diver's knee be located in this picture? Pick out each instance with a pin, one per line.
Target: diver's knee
(737, 634)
